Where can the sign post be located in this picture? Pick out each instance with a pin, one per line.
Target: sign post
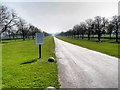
(39, 41)
(39, 50)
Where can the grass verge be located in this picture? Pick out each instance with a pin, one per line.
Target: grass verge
(39, 73)
(107, 46)
(0, 65)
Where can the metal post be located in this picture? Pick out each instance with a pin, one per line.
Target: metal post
(39, 50)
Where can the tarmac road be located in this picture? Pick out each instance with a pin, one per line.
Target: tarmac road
(83, 68)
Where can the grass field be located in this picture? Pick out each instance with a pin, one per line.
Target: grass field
(20, 68)
(0, 65)
(107, 46)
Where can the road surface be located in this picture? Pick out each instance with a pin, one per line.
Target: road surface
(83, 68)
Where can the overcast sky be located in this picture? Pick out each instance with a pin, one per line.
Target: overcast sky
(60, 16)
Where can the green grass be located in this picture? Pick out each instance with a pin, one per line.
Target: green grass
(36, 74)
(0, 65)
(107, 46)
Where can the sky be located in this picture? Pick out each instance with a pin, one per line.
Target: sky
(55, 17)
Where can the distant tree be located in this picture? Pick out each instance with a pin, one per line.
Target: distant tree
(46, 34)
(83, 28)
(13, 33)
(71, 34)
(74, 31)
(60, 34)
(110, 28)
(98, 25)
(93, 29)
(67, 33)
(89, 23)
(76, 28)
(116, 23)
(104, 25)
(21, 27)
(32, 30)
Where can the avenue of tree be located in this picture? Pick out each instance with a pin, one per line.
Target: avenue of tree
(98, 26)
(14, 26)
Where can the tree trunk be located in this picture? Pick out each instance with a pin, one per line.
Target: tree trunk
(32, 36)
(23, 35)
(99, 35)
(93, 35)
(74, 36)
(117, 35)
(13, 36)
(82, 36)
(89, 35)
(9, 36)
(110, 36)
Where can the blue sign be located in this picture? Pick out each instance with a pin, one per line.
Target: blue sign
(39, 38)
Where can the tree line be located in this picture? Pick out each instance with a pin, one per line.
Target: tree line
(98, 26)
(14, 26)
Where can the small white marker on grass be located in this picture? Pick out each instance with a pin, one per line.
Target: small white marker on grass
(50, 88)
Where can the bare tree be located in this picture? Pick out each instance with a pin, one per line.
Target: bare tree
(4, 16)
(13, 25)
(33, 30)
(83, 28)
(21, 27)
(46, 34)
(104, 25)
(13, 33)
(110, 28)
(90, 26)
(7, 18)
(116, 23)
(98, 25)
(76, 30)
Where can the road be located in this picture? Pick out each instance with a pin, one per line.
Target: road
(83, 68)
